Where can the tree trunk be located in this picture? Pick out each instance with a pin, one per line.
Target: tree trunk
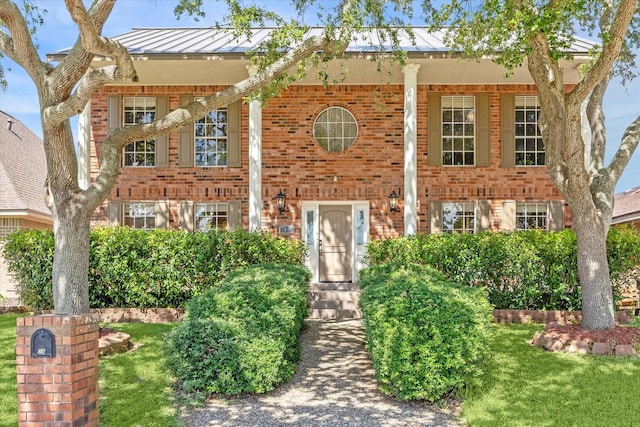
(71, 264)
(71, 211)
(593, 271)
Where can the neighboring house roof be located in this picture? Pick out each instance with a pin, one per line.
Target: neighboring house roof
(626, 206)
(23, 170)
(205, 41)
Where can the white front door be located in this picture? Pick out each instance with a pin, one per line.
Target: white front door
(336, 234)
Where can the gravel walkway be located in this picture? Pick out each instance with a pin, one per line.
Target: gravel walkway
(334, 386)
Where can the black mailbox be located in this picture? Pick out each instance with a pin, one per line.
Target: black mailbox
(43, 344)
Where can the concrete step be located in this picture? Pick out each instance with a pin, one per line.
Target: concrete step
(334, 301)
(334, 286)
(334, 314)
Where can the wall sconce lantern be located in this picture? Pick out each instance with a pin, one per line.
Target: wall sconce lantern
(393, 201)
(280, 200)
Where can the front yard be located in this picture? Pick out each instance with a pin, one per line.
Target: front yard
(522, 387)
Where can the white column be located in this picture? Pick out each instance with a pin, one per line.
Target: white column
(410, 149)
(255, 161)
(84, 147)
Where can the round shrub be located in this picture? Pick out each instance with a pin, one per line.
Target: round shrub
(241, 336)
(426, 336)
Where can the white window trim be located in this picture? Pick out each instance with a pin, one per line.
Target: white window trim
(473, 111)
(342, 137)
(125, 124)
(537, 204)
(475, 217)
(125, 215)
(536, 104)
(218, 211)
(196, 137)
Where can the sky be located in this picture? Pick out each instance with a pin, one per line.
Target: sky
(621, 104)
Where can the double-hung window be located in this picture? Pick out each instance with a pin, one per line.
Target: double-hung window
(458, 218)
(139, 215)
(529, 148)
(458, 130)
(211, 138)
(530, 216)
(209, 216)
(138, 110)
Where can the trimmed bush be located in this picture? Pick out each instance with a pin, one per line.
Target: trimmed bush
(529, 270)
(136, 268)
(241, 336)
(426, 336)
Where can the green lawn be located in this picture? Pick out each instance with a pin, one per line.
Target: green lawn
(8, 387)
(526, 386)
(135, 387)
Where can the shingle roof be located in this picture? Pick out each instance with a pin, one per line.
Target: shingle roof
(23, 168)
(202, 41)
(626, 205)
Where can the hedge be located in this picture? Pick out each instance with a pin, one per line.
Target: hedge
(427, 337)
(143, 269)
(243, 335)
(528, 270)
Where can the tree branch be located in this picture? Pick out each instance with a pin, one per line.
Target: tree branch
(595, 118)
(116, 140)
(23, 51)
(92, 42)
(628, 146)
(610, 51)
(75, 64)
(90, 82)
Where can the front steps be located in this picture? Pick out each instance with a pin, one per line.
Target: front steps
(334, 301)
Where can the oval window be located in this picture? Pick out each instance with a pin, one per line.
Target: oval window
(335, 129)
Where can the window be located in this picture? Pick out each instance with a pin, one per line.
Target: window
(210, 216)
(335, 129)
(529, 149)
(458, 218)
(211, 138)
(458, 130)
(531, 216)
(139, 110)
(360, 227)
(140, 215)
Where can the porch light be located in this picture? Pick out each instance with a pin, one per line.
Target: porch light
(280, 199)
(393, 201)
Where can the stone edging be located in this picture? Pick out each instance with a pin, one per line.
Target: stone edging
(548, 316)
(582, 347)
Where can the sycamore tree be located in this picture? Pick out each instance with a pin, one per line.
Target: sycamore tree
(64, 90)
(538, 33)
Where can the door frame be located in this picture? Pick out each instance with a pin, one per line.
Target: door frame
(358, 241)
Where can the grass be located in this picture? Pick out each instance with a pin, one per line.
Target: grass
(135, 387)
(8, 386)
(525, 386)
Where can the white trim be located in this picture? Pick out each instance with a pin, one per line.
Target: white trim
(313, 251)
(255, 160)
(84, 147)
(410, 72)
(28, 214)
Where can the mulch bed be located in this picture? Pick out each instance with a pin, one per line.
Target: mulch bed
(619, 335)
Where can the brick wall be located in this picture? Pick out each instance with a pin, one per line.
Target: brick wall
(292, 161)
(62, 390)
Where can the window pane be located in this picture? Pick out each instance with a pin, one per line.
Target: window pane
(528, 144)
(210, 144)
(458, 113)
(335, 129)
(139, 110)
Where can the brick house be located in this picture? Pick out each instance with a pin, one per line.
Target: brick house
(455, 141)
(23, 170)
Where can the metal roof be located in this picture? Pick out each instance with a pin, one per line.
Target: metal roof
(189, 42)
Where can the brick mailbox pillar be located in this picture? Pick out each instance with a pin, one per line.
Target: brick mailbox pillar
(57, 367)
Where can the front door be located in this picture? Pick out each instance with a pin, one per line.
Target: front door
(335, 251)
